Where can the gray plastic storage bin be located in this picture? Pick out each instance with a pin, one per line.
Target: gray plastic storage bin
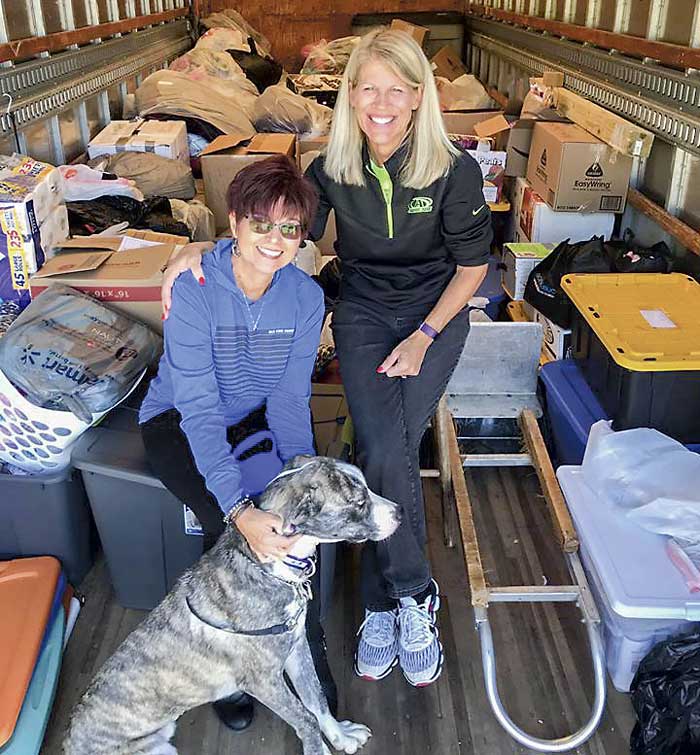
(47, 515)
(141, 524)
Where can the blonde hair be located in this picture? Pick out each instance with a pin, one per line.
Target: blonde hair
(430, 153)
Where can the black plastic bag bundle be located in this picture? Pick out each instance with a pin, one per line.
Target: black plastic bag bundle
(263, 72)
(630, 257)
(666, 698)
(96, 215)
(543, 289)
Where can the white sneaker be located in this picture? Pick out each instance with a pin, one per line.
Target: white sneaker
(420, 650)
(378, 648)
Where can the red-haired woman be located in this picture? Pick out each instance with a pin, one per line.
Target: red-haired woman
(239, 347)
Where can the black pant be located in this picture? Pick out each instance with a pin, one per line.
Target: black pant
(390, 416)
(170, 457)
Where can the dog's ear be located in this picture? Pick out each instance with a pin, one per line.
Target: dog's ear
(297, 512)
(298, 461)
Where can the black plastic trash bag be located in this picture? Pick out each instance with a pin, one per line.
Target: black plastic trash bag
(630, 257)
(543, 289)
(263, 72)
(666, 698)
(96, 215)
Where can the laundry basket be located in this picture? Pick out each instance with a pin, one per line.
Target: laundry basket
(39, 440)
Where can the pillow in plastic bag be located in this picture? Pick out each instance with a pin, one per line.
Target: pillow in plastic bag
(280, 110)
(69, 352)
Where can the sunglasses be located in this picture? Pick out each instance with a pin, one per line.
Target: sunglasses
(289, 229)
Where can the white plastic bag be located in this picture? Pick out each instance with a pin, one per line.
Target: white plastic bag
(464, 93)
(328, 57)
(634, 467)
(220, 39)
(82, 182)
(656, 480)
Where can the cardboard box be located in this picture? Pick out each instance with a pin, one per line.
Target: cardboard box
(534, 221)
(228, 154)
(37, 186)
(312, 144)
(419, 33)
(447, 63)
(24, 248)
(491, 161)
(164, 138)
(517, 260)
(127, 280)
(620, 134)
(575, 172)
(156, 237)
(520, 139)
(556, 341)
(466, 122)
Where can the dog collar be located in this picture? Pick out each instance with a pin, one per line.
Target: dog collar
(283, 628)
(303, 568)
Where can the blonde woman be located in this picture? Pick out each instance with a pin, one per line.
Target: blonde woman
(413, 240)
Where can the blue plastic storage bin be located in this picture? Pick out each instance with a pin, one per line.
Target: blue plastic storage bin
(571, 408)
(34, 716)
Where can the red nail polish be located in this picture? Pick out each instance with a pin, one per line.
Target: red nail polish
(162, 317)
(202, 281)
(380, 369)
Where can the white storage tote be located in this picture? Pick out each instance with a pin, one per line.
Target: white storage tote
(641, 596)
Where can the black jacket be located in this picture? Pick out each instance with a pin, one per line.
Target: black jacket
(400, 253)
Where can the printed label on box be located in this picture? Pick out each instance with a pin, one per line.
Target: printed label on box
(15, 248)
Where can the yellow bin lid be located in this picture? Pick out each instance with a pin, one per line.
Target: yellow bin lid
(649, 322)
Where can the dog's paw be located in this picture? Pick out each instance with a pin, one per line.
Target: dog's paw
(350, 737)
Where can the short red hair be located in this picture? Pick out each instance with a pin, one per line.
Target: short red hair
(264, 184)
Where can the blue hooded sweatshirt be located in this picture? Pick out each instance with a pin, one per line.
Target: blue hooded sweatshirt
(224, 356)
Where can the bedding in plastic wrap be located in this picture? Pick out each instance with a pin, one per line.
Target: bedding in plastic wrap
(153, 175)
(198, 218)
(328, 57)
(232, 19)
(225, 105)
(69, 352)
(220, 65)
(279, 109)
(219, 39)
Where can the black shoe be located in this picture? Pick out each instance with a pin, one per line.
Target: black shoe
(323, 671)
(236, 712)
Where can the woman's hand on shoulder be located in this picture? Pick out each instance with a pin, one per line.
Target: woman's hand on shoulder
(187, 258)
(261, 530)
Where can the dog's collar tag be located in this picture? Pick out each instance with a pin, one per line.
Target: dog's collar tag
(304, 568)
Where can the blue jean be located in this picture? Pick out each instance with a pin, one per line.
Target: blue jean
(390, 416)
